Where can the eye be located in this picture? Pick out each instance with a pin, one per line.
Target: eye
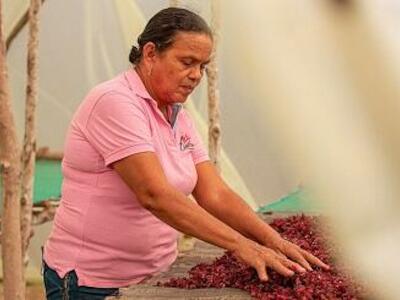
(187, 62)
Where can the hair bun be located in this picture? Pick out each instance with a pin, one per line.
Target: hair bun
(134, 55)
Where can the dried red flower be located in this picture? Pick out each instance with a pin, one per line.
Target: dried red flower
(227, 271)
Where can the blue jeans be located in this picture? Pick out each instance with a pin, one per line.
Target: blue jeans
(67, 288)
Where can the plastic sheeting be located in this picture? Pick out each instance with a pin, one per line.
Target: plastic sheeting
(328, 73)
(81, 44)
(309, 92)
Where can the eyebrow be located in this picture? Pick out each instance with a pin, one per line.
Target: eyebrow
(195, 59)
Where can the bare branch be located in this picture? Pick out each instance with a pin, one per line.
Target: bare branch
(214, 129)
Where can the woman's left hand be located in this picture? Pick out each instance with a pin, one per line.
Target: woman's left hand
(296, 253)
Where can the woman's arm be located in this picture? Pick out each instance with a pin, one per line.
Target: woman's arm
(144, 175)
(213, 194)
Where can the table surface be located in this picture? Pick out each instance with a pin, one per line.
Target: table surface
(202, 252)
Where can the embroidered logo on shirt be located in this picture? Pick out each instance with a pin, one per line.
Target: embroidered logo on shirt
(185, 143)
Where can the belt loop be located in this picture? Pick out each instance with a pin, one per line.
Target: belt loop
(42, 264)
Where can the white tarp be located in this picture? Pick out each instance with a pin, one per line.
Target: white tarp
(310, 91)
(85, 42)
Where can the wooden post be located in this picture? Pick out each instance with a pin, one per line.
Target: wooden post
(214, 129)
(11, 229)
(17, 28)
(29, 149)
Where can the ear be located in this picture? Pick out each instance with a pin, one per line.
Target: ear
(149, 52)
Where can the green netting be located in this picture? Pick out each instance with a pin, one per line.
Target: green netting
(297, 201)
(47, 182)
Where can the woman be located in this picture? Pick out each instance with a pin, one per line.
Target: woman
(132, 157)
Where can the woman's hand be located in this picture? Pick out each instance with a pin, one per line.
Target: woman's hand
(287, 249)
(260, 257)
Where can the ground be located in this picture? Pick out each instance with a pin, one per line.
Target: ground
(33, 292)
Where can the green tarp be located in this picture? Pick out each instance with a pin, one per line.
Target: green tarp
(47, 182)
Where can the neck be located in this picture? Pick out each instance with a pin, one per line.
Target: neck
(147, 85)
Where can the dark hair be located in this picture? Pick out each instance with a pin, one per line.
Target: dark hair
(163, 26)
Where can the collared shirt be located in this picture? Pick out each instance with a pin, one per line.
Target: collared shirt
(100, 229)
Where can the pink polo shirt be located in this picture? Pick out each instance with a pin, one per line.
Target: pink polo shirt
(100, 230)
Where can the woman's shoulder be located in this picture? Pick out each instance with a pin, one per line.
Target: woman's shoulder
(109, 96)
(113, 92)
(114, 86)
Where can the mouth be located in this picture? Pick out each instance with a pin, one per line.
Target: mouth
(187, 88)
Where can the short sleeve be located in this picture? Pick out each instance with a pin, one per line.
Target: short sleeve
(118, 127)
(199, 151)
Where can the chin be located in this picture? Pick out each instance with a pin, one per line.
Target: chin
(180, 99)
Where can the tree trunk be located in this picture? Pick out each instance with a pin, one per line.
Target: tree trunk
(29, 149)
(214, 129)
(11, 230)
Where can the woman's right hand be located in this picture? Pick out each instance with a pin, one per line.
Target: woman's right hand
(260, 258)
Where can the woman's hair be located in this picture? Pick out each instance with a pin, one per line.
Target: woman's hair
(163, 26)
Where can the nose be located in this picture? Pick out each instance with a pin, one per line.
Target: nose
(196, 73)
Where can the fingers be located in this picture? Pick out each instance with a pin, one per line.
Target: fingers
(303, 257)
(314, 260)
(275, 265)
(292, 258)
(276, 262)
(300, 268)
(262, 272)
(279, 266)
(280, 254)
(297, 255)
(293, 266)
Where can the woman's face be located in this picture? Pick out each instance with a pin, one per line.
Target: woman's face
(176, 71)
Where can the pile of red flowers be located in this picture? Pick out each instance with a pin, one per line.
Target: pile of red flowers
(227, 271)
